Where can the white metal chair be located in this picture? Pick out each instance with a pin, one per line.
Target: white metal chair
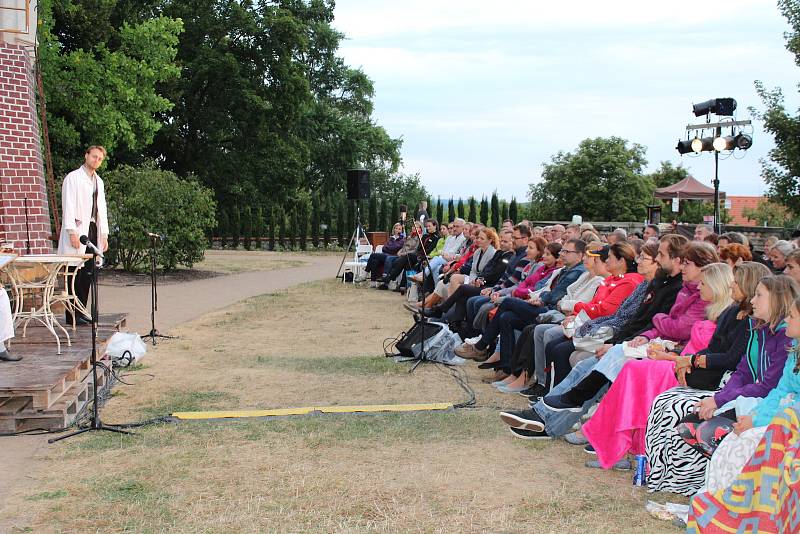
(359, 262)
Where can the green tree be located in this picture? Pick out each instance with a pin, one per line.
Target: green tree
(258, 226)
(372, 223)
(451, 210)
(394, 213)
(184, 212)
(461, 212)
(602, 180)
(439, 210)
(513, 211)
(484, 211)
(769, 213)
(473, 215)
(315, 221)
(781, 171)
(236, 227)
(247, 228)
(282, 233)
(495, 211)
(101, 63)
(383, 218)
(262, 85)
(273, 222)
(223, 228)
(342, 230)
(504, 211)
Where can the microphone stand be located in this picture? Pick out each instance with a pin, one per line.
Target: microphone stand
(154, 292)
(97, 424)
(425, 261)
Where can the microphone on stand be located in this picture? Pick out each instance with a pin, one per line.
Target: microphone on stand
(91, 246)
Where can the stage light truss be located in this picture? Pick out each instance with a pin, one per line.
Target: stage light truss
(717, 142)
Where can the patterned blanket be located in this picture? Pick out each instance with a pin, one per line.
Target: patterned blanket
(765, 497)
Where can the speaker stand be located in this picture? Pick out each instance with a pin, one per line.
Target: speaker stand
(355, 239)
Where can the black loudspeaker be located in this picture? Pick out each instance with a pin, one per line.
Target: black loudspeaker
(357, 184)
(409, 344)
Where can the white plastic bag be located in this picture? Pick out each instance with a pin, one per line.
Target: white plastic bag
(125, 348)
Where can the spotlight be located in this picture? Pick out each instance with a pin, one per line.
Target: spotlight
(718, 106)
(723, 143)
(743, 141)
(706, 144)
(684, 147)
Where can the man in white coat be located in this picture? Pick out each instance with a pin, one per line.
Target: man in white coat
(6, 327)
(84, 212)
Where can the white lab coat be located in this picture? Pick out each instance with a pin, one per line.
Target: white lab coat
(76, 209)
(6, 326)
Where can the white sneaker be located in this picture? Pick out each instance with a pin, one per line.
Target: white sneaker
(472, 340)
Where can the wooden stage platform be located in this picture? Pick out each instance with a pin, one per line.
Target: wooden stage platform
(46, 390)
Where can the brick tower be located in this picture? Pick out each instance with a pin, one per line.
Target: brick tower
(24, 214)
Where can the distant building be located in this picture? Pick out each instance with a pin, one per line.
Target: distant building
(736, 206)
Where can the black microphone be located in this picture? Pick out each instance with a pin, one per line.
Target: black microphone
(155, 236)
(90, 245)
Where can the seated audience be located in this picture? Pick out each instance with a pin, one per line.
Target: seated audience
(677, 465)
(617, 427)
(377, 260)
(514, 313)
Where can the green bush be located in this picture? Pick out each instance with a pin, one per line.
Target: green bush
(146, 199)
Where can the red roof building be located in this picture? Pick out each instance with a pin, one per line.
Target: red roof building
(737, 206)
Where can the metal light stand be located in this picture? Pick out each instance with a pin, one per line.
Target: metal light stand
(154, 293)
(97, 424)
(358, 233)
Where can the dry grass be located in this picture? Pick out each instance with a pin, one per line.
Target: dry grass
(318, 344)
(240, 261)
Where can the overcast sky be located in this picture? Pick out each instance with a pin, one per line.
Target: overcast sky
(483, 93)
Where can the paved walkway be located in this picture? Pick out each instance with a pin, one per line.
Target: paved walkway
(177, 303)
(182, 302)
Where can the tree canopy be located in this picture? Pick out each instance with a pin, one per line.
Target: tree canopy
(781, 170)
(602, 180)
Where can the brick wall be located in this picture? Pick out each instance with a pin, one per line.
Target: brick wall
(21, 171)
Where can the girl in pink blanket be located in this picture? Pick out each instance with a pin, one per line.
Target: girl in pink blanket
(618, 426)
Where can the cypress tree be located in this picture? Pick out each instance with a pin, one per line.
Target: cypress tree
(272, 223)
(302, 225)
(473, 215)
(461, 212)
(439, 210)
(341, 224)
(222, 227)
(247, 228)
(495, 211)
(395, 213)
(383, 218)
(504, 210)
(258, 227)
(512, 211)
(451, 210)
(236, 227)
(372, 225)
(291, 233)
(282, 228)
(315, 206)
(484, 211)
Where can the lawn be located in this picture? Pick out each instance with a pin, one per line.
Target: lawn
(318, 344)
